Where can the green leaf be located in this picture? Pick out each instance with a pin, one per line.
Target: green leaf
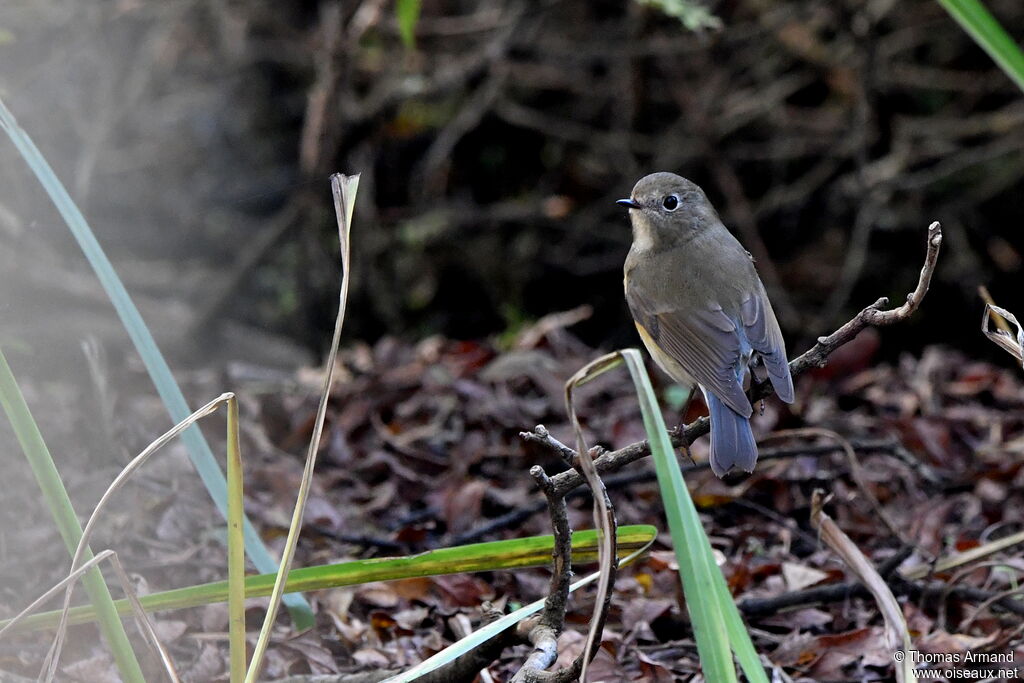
(485, 633)
(990, 35)
(408, 12)
(717, 624)
(534, 551)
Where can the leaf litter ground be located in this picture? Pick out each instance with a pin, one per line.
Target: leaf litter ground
(422, 450)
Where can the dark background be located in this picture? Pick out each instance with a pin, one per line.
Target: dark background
(198, 138)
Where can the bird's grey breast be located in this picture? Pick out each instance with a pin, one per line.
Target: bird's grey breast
(706, 270)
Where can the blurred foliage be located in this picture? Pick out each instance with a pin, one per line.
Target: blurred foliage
(408, 13)
(828, 134)
(990, 35)
(693, 16)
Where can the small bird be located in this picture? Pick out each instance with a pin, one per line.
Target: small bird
(701, 309)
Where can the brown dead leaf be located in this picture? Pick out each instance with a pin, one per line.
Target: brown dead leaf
(801, 619)
(411, 619)
(654, 670)
(867, 648)
(416, 588)
(371, 658)
(955, 643)
(312, 655)
(463, 590)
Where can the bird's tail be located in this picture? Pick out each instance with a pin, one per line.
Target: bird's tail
(732, 442)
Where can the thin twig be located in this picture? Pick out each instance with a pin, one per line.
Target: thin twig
(816, 356)
(515, 517)
(821, 595)
(544, 634)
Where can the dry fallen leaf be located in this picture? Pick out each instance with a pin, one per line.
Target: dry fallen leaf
(799, 576)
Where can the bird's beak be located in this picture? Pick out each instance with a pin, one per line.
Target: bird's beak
(628, 203)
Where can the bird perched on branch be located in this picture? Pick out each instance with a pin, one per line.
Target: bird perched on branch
(701, 309)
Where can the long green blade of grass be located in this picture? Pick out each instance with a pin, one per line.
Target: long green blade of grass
(485, 633)
(987, 32)
(27, 432)
(198, 449)
(236, 549)
(688, 538)
(716, 620)
(408, 14)
(519, 553)
(739, 638)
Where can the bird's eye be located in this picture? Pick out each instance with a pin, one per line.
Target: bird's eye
(671, 202)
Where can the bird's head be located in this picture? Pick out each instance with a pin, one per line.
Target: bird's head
(666, 210)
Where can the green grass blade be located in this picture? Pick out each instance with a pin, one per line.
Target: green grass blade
(987, 32)
(408, 14)
(485, 633)
(198, 449)
(688, 536)
(31, 440)
(717, 625)
(236, 549)
(739, 638)
(479, 637)
(520, 553)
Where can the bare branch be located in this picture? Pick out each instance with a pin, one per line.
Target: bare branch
(544, 634)
(816, 356)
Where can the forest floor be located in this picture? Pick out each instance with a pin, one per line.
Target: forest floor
(422, 449)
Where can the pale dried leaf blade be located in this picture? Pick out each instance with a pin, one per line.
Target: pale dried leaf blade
(594, 369)
(343, 189)
(895, 624)
(606, 534)
(118, 482)
(1014, 347)
(960, 559)
(68, 583)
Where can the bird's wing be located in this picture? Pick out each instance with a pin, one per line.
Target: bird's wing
(705, 342)
(765, 337)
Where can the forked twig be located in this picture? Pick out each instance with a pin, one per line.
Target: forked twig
(544, 634)
(588, 471)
